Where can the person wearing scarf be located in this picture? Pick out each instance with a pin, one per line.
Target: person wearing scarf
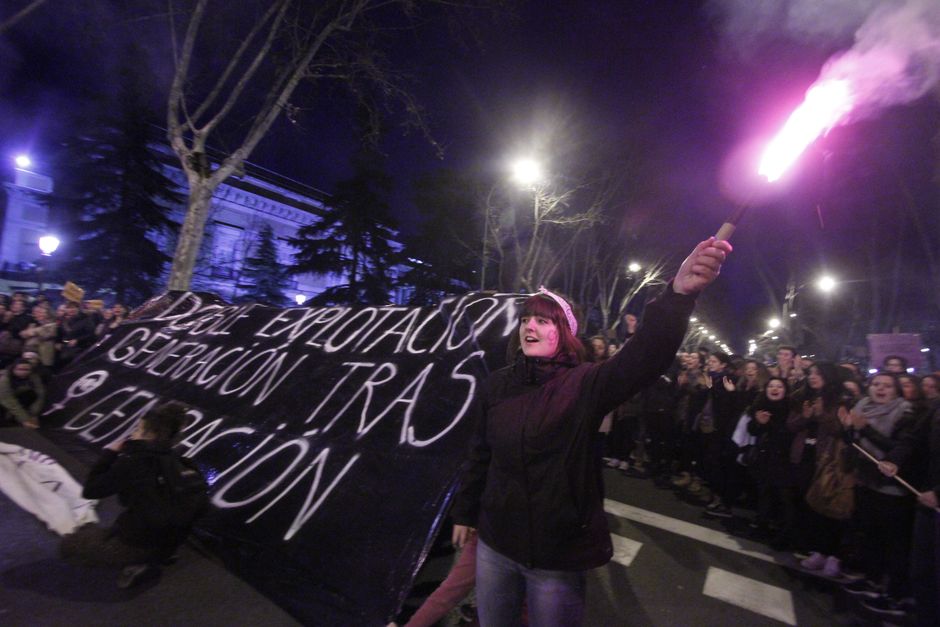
(531, 485)
(884, 511)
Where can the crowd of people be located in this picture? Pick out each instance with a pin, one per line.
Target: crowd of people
(805, 451)
(36, 341)
(814, 450)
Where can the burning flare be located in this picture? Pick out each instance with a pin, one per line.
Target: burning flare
(826, 103)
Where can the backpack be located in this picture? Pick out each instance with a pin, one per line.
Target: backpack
(180, 496)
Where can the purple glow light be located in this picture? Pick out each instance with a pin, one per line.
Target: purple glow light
(825, 104)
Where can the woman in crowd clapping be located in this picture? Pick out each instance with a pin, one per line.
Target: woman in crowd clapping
(884, 510)
(770, 463)
(818, 433)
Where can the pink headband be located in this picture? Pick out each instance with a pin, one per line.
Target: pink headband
(565, 307)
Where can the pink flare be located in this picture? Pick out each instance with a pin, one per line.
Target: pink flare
(825, 104)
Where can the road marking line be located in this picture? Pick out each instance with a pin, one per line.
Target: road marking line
(696, 532)
(625, 549)
(758, 597)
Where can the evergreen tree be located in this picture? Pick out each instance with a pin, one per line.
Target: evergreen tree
(115, 199)
(354, 239)
(448, 242)
(267, 278)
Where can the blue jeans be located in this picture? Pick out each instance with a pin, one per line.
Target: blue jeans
(554, 597)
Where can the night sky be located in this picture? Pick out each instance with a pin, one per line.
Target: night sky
(692, 82)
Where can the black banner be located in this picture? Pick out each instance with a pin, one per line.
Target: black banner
(331, 436)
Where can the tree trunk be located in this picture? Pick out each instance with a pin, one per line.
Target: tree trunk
(190, 236)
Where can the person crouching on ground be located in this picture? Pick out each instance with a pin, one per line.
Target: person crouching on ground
(22, 395)
(136, 470)
(531, 483)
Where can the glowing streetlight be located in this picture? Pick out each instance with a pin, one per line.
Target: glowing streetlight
(826, 284)
(48, 244)
(300, 299)
(634, 267)
(22, 161)
(527, 172)
(774, 323)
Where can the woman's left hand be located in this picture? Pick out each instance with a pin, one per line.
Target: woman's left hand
(729, 384)
(858, 421)
(701, 268)
(928, 499)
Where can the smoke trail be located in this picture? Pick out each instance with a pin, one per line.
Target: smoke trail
(895, 57)
(749, 24)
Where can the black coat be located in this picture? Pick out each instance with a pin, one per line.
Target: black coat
(917, 453)
(532, 482)
(771, 460)
(133, 475)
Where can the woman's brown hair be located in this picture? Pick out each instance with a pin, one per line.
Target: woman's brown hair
(542, 306)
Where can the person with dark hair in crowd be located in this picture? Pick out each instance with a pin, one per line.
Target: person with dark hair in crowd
(531, 485)
(770, 462)
(140, 470)
(40, 338)
(930, 390)
(76, 333)
(11, 338)
(693, 394)
(788, 366)
(750, 385)
(628, 328)
(111, 318)
(911, 392)
(599, 351)
(884, 510)
(894, 364)
(659, 414)
(717, 421)
(916, 457)
(22, 395)
(815, 421)
(612, 347)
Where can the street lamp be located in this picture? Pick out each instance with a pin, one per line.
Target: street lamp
(634, 267)
(774, 323)
(826, 284)
(300, 299)
(22, 161)
(48, 244)
(527, 172)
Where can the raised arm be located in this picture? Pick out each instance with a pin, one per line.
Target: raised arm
(650, 352)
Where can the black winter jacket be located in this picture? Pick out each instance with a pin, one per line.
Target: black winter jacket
(133, 475)
(918, 454)
(531, 485)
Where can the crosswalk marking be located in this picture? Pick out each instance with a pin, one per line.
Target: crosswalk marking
(625, 549)
(690, 530)
(750, 594)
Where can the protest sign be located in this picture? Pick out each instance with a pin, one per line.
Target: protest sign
(906, 345)
(331, 437)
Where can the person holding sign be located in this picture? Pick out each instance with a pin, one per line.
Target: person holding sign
(531, 486)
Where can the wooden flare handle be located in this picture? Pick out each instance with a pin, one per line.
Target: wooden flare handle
(725, 232)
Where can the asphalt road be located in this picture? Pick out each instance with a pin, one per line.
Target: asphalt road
(674, 566)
